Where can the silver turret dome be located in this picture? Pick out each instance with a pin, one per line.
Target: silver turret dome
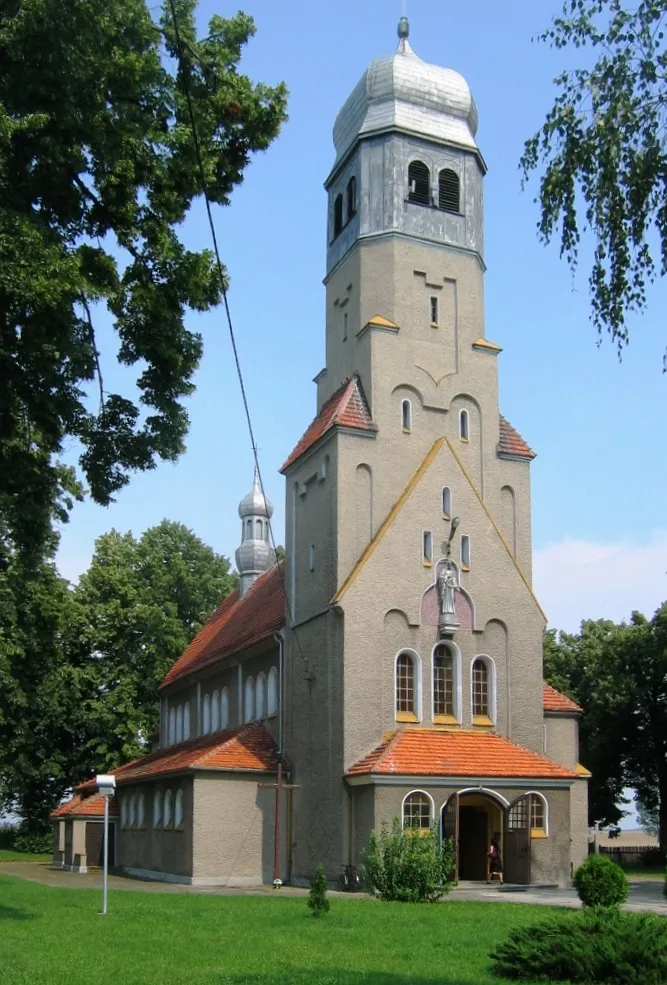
(255, 554)
(403, 92)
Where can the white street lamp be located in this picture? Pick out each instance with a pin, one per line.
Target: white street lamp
(106, 784)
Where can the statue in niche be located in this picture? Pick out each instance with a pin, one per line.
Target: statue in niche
(448, 583)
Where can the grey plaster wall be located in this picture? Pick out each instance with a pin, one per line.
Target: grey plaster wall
(162, 849)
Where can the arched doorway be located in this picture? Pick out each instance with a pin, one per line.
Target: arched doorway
(471, 818)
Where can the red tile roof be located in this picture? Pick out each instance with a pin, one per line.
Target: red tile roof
(511, 442)
(245, 748)
(555, 701)
(80, 806)
(235, 625)
(432, 752)
(347, 408)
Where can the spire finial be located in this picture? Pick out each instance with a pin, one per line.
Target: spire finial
(403, 25)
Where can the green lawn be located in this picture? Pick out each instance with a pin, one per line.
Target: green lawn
(57, 937)
(8, 855)
(634, 871)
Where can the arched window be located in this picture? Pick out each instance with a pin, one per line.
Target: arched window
(406, 415)
(446, 502)
(407, 687)
(166, 818)
(123, 812)
(351, 197)
(417, 810)
(171, 737)
(272, 696)
(179, 723)
(338, 215)
(186, 720)
(259, 533)
(419, 181)
(249, 700)
(215, 711)
(483, 690)
(443, 682)
(260, 697)
(132, 820)
(224, 708)
(140, 811)
(427, 548)
(157, 809)
(248, 530)
(206, 717)
(538, 816)
(464, 425)
(465, 551)
(178, 809)
(449, 191)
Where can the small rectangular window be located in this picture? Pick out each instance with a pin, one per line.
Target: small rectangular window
(344, 326)
(434, 311)
(428, 547)
(465, 551)
(311, 559)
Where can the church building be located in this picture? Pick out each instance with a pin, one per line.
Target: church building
(391, 666)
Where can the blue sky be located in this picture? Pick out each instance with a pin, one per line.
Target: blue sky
(599, 525)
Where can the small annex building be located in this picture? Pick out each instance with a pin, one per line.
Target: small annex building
(391, 666)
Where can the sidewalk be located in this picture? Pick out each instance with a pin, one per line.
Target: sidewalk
(645, 895)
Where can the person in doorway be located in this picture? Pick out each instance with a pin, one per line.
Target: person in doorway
(494, 867)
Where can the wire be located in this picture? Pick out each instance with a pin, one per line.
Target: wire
(221, 276)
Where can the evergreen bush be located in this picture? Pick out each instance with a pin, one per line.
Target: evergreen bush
(29, 842)
(602, 945)
(317, 897)
(600, 882)
(408, 864)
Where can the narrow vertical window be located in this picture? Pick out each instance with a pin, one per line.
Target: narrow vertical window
(427, 548)
(157, 809)
(206, 723)
(338, 215)
(260, 697)
(259, 530)
(434, 311)
(480, 689)
(446, 502)
(140, 811)
(405, 685)
(179, 723)
(249, 709)
(464, 425)
(351, 197)
(419, 183)
(178, 809)
(215, 712)
(406, 416)
(248, 530)
(133, 811)
(465, 551)
(171, 736)
(449, 191)
(443, 682)
(224, 708)
(186, 720)
(168, 801)
(344, 326)
(538, 821)
(311, 558)
(272, 700)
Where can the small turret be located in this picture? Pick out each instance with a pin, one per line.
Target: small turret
(255, 554)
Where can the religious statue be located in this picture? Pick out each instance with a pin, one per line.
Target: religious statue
(448, 583)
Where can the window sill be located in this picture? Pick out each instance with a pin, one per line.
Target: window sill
(538, 833)
(446, 720)
(465, 441)
(481, 720)
(406, 716)
(407, 430)
(446, 516)
(427, 564)
(464, 567)
(434, 324)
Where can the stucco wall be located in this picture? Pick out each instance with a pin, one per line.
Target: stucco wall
(165, 850)
(562, 739)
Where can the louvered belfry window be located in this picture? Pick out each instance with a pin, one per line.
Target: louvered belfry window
(449, 191)
(419, 182)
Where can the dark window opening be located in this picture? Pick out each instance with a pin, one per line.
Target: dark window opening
(419, 183)
(449, 191)
(338, 215)
(351, 197)
(434, 311)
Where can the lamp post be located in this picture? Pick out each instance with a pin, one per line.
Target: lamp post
(106, 784)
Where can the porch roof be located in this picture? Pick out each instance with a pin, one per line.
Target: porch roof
(82, 806)
(460, 752)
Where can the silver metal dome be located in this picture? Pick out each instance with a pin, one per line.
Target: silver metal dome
(255, 504)
(402, 91)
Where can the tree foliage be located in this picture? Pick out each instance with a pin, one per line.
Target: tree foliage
(408, 864)
(602, 149)
(318, 901)
(97, 173)
(80, 667)
(618, 674)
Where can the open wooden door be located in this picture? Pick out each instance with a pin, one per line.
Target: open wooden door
(449, 828)
(516, 843)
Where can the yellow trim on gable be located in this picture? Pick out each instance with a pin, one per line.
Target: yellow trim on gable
(381, 322)
(581, 770)
(495, 527)
(481, 343)
(389, 519)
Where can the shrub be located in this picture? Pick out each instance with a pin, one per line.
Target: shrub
(600, 882)
(407, 864)
(317, 897)
(603, 945)
(40, 844)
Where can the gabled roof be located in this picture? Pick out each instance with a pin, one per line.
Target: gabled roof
(433, 752)
(511, 442)
(80, 806)
(236, 624)
(347, 408)
(555, 701)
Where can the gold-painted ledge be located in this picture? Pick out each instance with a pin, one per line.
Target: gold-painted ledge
(485, 346)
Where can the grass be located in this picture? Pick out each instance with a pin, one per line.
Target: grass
(8, 855)
(642, 871)
(57, 937)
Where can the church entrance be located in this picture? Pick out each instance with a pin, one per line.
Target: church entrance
(472, 818)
